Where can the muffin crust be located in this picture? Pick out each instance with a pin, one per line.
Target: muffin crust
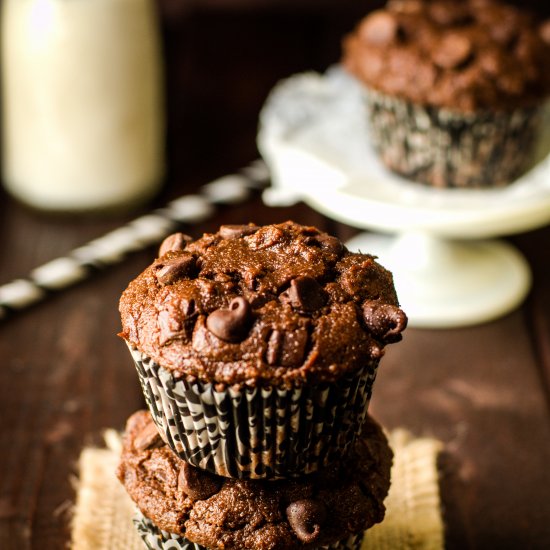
(281, 304)
(465, 56)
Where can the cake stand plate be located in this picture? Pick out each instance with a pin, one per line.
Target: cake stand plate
(449, 267)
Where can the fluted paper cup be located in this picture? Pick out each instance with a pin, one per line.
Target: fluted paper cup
(449, 149)
(256, 433)
(157, 539)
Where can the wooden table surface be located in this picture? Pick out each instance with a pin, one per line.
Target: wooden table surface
(65, 376)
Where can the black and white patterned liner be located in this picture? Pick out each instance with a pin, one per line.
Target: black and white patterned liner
(140, 233)
(444, 148)
(157, 539)
(256, 433)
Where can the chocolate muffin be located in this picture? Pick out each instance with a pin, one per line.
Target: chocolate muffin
(257, 347)
(186, 507)
(455, 91)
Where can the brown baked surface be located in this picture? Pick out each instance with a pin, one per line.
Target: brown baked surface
(466, 56)
(319, 509)
(281, 304)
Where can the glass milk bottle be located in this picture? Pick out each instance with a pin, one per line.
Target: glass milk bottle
(83, 114)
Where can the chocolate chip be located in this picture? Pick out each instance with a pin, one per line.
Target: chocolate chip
(174, 242)
(170, 326)
(287, 348)
(380, 28)
(171, 270)
(252, 278)
(306, 517)
(176, 320)
(236, 231)
(385, 321)
(265, 237)
(305, 294)
(148, 437)
(453, 50)
(197, 484)
(259, 299)
(327, 243)
(544, 31)
(231, 324)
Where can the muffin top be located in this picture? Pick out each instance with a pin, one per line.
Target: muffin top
(217, 512)
(466, 56)
(280, 304)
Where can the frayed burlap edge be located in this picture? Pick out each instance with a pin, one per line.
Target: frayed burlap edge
(103, 512)
(413, 507)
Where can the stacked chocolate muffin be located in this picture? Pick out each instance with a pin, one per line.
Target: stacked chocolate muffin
(257, 349)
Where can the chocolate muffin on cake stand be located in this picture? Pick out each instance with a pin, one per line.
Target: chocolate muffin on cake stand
(442, 245)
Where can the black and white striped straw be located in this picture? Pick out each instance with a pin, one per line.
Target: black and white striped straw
(138, 234)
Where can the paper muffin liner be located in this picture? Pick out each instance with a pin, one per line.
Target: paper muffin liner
(157, 539)
(445, 148)
(256, 433)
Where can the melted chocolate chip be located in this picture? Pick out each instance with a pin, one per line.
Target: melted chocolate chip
(380, 28)
(179, 267)
(148, 437)
(544, 31)
(197, 484)
(170, 326)
(306, 517)
(305, 294)
(326, 242)
(454, 50)
(265, 237)
(176, 320)
(259, 299)
(231, 324)
(386, 322)
(252, 278)
(174, 242)
(236, 231)
(287, 348)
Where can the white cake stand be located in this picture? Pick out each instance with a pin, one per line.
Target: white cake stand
(449, 269)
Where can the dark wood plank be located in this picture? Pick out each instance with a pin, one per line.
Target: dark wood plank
(477, 389)
(534, 246)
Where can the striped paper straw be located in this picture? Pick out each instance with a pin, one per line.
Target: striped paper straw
(138, 234)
